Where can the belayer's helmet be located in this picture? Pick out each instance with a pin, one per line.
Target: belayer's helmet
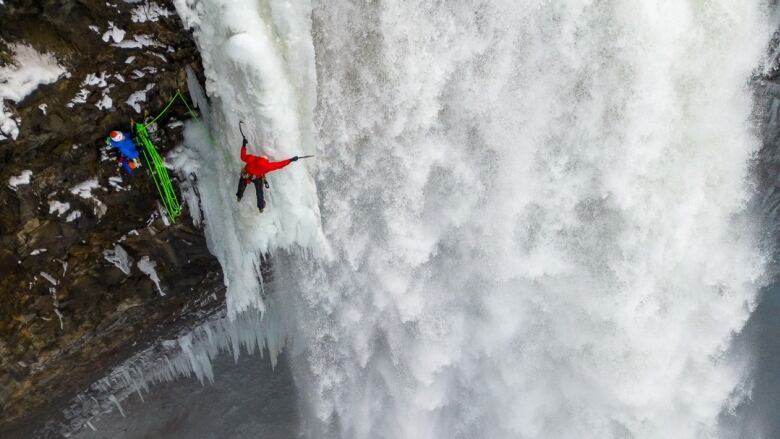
(117, 136)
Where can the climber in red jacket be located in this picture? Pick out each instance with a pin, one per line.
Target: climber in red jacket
(254, 171)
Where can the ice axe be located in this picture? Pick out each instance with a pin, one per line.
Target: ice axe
(243, 137)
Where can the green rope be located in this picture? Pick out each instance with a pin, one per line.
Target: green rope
(156, 163)
(170, 103)
(162, 180)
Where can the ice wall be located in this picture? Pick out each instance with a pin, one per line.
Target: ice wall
(259, 64)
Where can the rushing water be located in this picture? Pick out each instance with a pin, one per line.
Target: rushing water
(525, 219)
(534, 207)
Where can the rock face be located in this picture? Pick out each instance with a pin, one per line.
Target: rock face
(73, 299)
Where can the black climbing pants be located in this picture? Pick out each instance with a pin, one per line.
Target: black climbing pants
(242, 182)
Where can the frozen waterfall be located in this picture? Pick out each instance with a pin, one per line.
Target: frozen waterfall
(526, 218)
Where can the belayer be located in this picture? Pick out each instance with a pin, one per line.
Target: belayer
(254, 171)
(128, 153)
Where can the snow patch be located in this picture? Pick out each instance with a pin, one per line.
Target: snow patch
(113, 32)
(105, 151)
(146, 265)
(80, 98)
(149, 12)
(21, 179)
(58, 207)
(22, 76)
(99, 209)
(73, 216)
(139, 41)
(84, 189)
(38, 251)
(94, 80)
(105, 103)
(139, 96)
(116, 183)
(43, 108)
(119, 257)
(99, 81)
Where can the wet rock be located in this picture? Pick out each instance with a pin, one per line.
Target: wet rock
(65, 310)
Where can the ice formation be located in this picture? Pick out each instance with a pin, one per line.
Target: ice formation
(533, 213)
(149, 11)
(147, 265)
(265, 60)
(119, 257)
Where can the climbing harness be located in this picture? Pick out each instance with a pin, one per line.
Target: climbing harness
(162, 179)
(248, 178)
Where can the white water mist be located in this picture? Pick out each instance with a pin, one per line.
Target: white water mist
(535, 209)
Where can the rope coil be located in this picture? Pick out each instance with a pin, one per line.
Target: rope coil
(162, 179)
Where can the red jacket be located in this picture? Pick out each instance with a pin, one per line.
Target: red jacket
(259, 166)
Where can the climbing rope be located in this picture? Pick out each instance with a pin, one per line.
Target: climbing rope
(170, 103)
(159, 173)
(156, 163)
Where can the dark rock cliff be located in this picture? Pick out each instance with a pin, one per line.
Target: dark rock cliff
(66, 311)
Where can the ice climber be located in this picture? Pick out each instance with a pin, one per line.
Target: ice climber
(128, 154)
(254, 171)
